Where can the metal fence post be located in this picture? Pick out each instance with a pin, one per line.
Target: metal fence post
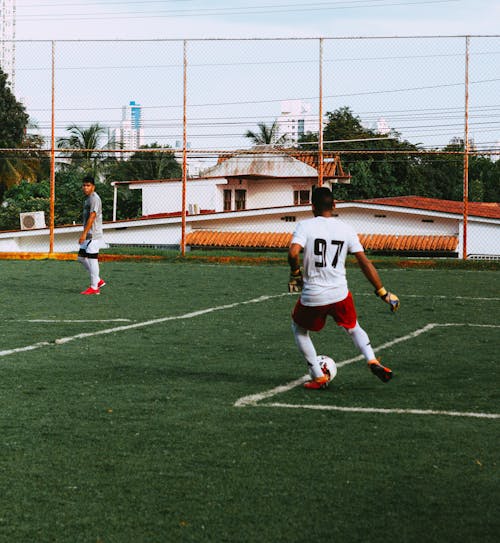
(466, 151)
(52, 158)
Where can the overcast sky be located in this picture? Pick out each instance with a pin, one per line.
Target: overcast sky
(79, 19)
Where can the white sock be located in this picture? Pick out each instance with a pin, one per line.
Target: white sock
(94, 272)
(307, 349)
(362, 341)
(84, 261)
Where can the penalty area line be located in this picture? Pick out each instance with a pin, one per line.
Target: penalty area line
(142, 324)
(384, 411)
(254, 399)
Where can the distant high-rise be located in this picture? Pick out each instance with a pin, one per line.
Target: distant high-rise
(130, 135)
(7, 37)
(383, 127)
(296, 120)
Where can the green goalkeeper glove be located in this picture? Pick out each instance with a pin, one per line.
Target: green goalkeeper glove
(296, 281)
(389, 298)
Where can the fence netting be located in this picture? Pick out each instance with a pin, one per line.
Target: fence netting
(220, 143)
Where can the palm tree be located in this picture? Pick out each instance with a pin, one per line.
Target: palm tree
(17, 166)
(267, 135)
(87, 145)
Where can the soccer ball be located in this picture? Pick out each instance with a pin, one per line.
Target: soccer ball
(328, 366)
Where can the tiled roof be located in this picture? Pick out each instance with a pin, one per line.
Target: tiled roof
(331, 170)
(276, 240)
(477, 209)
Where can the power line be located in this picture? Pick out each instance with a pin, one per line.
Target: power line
(245, 10)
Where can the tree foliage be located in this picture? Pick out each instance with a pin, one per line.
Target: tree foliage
(377, 175)
(267, 135)
(147, 164)
(14, 165)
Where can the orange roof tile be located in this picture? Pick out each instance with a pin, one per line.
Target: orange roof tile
(477, 209)
(280, 240)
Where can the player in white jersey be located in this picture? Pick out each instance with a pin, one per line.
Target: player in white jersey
(325, 242)
(91, 239)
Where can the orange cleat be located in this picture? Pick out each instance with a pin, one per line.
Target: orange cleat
(318, 383)
(383, 373)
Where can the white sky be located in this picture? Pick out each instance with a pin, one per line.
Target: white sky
(79, 19)
(415, 85)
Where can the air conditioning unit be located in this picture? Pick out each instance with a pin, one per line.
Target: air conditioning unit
(32, 220)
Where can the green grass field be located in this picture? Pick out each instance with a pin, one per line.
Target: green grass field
(159, 418)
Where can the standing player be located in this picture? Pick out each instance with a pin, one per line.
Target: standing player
(91, 239)
(326, 241)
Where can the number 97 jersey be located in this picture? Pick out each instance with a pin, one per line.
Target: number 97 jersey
(326, 242)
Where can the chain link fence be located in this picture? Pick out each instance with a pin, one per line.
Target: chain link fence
(219, 143)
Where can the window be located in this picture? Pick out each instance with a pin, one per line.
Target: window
(240, 199)
(227, 199)
(301, 197)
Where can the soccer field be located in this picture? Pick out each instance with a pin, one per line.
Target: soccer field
(170, 409)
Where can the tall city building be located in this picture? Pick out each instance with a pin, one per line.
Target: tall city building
(296, 120)
(130, 135)
(7, 37)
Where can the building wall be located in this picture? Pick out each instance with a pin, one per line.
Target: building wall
(167, 197)
(483, 238)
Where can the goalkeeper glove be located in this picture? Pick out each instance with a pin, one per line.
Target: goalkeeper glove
(389, 298)
(296, 281)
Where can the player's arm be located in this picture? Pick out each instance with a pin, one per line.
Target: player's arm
(295, 281)
(88, 226)
(372, 275)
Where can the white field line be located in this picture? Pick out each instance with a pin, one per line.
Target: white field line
(441, 297)
(58, 321)
(385, 411)
(142, 324)
(254, 399)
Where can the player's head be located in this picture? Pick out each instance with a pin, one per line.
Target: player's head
(88, 179)
(88, 185)
(322, 200)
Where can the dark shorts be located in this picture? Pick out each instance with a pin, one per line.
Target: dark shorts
(314, 317)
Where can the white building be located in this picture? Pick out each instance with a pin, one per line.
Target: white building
(7, 37)
(130, 135)
(296, 119)
(254, 200)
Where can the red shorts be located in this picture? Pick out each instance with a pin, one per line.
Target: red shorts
(314, 317)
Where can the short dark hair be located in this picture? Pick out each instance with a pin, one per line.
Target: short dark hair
(88, 179)
(322, 199)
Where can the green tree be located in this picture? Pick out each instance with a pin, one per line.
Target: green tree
(267, 135)
(155, 162)
(373, 175)
(13, 123)
(13, 117)
(87, 143)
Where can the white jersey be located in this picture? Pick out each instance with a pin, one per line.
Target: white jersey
(326, 242)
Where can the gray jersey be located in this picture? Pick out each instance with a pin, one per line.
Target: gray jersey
(93, 204)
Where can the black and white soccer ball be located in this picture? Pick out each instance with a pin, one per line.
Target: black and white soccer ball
(328, 366)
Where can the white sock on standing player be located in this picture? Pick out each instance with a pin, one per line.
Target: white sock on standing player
(84, 261)
(306, 347)
(94, 272)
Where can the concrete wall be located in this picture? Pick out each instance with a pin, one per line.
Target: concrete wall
(483, 234)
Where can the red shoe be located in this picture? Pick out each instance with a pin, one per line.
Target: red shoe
(101, 283)
(318, 383)
(90, 291)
